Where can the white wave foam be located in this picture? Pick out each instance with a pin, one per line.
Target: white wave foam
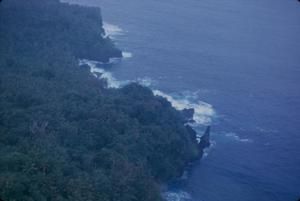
(177, 196)
(203, 114)
(112, 30)
(114, 60)
(237, 138)
(207, 150)
(112, 82)
(100, 73)
(146, 81)
(126, 55)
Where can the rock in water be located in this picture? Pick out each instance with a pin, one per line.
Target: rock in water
(204, 141)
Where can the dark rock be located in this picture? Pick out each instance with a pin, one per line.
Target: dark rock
(191, 131)
(188, 114)
(85, 66)
(204, 141)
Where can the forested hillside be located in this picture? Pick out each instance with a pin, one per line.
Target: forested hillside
(63, 135)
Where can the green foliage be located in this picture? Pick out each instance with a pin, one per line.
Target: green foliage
(63, 135)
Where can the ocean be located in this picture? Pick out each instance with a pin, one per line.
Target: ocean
(237, 63)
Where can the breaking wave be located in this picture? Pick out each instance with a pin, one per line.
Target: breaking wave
(203, 114)
(177, 196)
(126, 55)
(112, 30)
(146, 81)
(208, 149)
(112, 82)
(100, 73)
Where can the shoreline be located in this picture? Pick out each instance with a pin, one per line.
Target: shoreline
(78, 130)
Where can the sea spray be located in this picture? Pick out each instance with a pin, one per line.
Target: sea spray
(203, 112)
(126, 55)
(112, 30)
(177, 196)
(100, 73)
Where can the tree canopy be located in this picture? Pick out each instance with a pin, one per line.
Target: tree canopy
(64, 136)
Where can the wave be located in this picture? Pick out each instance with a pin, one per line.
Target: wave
(112, 82)
(112, 30)
(203, 114)
(127, 55)
(100, 73)
(207, 150)
(177, 196)
(146, 81)
(237, 138)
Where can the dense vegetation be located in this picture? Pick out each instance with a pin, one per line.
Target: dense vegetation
(63, 135)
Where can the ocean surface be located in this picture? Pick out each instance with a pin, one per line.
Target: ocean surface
(237, 63)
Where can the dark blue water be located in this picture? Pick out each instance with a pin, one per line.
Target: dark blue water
(243, 58)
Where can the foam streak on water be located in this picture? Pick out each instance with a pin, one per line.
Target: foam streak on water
(237, 138)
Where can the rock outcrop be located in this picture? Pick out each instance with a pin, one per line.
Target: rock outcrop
(204, 141)
(188, 114)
